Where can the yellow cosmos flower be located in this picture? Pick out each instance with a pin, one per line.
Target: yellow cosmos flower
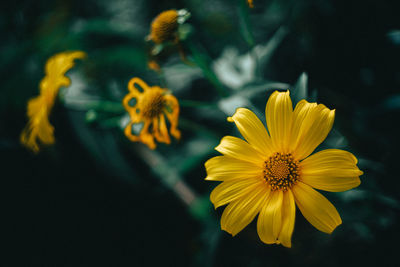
(152, 105)
(39, 108)
(164, 27)
(271, 172)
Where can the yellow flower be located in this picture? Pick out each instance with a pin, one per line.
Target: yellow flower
(39, 108)
(250, 2)
(164, 27)
(151, 107)
(273, 171)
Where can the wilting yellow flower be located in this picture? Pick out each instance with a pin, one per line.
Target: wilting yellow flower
(164, 27)
(151, 107)
(39, 108)
(250, 2)
(273, 171)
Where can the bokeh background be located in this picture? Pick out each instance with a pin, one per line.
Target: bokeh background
(96, 199)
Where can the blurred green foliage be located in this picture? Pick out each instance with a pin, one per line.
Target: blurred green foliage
(96, 199)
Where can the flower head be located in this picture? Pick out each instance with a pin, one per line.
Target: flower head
(152, 105)
(272, 171)
(164, 27)
(39, 107)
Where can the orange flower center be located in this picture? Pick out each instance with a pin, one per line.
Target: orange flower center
(153, 104)
(281, 171)
(164, 26)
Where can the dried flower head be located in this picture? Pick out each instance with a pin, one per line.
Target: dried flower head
(152, 105)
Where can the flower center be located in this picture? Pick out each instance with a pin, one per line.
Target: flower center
(164, 26)
(153, 104)
(281, 171)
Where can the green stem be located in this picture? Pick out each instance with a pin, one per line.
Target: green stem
(245, 25)
(114, 122)
(97, 105)
(195, 104)
(198, 128)
(202, 60)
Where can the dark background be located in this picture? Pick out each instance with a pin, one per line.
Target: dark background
(65, 207)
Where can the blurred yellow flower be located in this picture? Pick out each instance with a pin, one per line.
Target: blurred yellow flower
(273, 171)
(164, 27)
(151, 106)
(39, 108)
(250, 2)
(153, 65)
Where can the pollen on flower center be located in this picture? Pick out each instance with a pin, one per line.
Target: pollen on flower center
(153, 104)
(164, 26)
(281, 171)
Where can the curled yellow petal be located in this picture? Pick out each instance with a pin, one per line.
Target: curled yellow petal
(39, 108)
(173, 116)
(161, 130)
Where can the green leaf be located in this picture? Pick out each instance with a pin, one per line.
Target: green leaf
(300, 90)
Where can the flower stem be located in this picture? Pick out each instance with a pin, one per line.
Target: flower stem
(244, 23)
(195, 104)
(202, 60)
(198, 128)
(97, 105)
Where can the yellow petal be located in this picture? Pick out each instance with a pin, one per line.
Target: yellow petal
(55, 68)
(39, 108)
(222, 168)
(45, 131)
(239, 213)
(332, 170)
(135, 83)
(129, 134)
(252, 130)
(173, 117)
(146, 137)
(316, 208)
(288, 218)
(160, 130)
(278, 113)
(269, 222)
(60, 63)
(126, 102)
(301, 112)
(230, 190)
(311, 125)
(237, 148)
